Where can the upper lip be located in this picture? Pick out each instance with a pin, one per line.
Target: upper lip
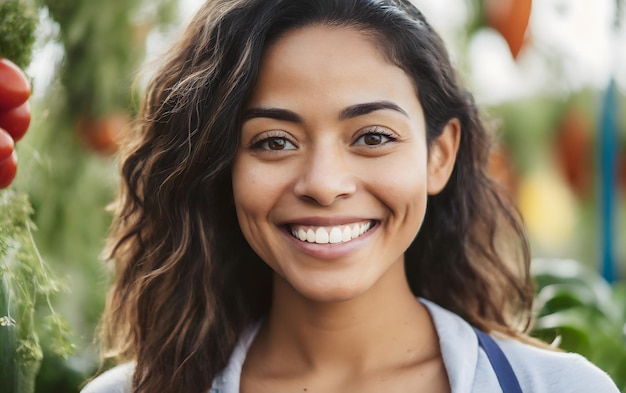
(326, 221)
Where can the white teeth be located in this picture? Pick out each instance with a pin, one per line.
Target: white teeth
(310, 236)
(365, 227)
(321, 236)
(346, 235)
(333, 235)
(356, 231)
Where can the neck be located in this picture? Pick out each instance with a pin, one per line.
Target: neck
(384, 327)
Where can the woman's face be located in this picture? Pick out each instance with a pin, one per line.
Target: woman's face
(331, 179)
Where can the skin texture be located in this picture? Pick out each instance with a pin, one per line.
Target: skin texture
(328, 161)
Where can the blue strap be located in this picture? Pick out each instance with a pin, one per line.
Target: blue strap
(506, 376)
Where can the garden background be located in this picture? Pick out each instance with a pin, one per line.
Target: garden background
(550, 76)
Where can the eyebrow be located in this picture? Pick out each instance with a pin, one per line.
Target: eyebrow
(348, 113)
(369, 107)
(272, 113)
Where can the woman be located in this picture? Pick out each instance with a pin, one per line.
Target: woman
(306, 208)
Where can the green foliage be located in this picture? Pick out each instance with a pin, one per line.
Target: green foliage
(69, 189)
(18, 20)
(104, 46)
(583, 313)
(24, 277)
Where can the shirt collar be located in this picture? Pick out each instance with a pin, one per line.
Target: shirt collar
(459, 347)
(458, 343)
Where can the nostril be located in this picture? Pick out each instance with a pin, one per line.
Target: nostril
(307, 198)
(324, 192)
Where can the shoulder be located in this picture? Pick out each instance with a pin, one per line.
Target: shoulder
(538, 370)
(544, 370)
(115, 380)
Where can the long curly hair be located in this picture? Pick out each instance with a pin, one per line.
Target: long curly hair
(187, 283)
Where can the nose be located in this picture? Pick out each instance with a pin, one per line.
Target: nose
(325, 177)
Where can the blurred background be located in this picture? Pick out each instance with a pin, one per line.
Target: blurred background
(550, 76)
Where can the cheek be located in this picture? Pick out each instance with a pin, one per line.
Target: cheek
(402, 188)
(257, 189)
(400, 182)
(248, 184)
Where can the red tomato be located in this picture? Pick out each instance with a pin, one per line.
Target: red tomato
(8, 169)
(16, 121)
(14, 87)
(102, 135)
(6, 145)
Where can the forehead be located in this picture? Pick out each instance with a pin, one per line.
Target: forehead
(325, 38)
(323, 61)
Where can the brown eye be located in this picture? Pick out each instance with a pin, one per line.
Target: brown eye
(376, 137)
(373, 139)
(276, 144)
(273, 143)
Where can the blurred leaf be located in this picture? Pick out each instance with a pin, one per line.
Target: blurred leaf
(576, 317)
(569, 338)
(554, 297)
(591, 287)
(585, 314)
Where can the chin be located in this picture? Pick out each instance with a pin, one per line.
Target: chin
(332, 292)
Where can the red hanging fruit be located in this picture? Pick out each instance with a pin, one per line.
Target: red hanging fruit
(16, 120)
(8, 169)
(14, 86)
(510, 18)
(101, 135)
(573, 150)
(7, 145)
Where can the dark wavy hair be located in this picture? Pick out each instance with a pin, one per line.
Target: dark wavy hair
(187, 283)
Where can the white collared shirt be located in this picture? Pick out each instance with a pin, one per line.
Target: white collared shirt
(469, 371)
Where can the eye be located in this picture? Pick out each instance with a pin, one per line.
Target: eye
(269, 142)
(375, 136)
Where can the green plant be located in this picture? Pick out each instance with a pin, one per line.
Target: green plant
(24, 278)
(17, 30)
(583, 313)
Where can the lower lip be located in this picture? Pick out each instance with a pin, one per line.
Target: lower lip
(330, 251)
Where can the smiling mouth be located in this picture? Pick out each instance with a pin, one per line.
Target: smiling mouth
(330, 234)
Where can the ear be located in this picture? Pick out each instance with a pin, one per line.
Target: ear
(442, 156)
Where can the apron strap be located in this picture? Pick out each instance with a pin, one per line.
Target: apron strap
(506, 376)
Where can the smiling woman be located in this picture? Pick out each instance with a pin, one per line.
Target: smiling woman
(305, 208)
(329, 160)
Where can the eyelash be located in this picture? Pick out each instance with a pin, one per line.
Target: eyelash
(379, 131)
(261, 141)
